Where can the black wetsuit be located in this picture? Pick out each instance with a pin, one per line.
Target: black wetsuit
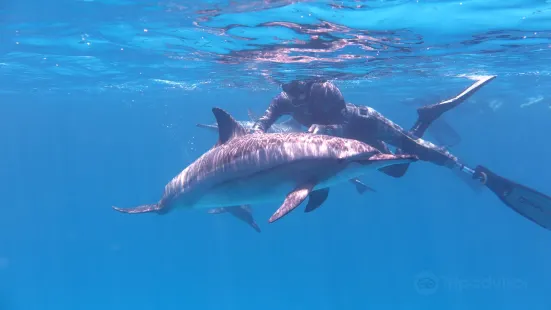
(350, 121)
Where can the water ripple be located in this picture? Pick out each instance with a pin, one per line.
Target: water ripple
(210, 44)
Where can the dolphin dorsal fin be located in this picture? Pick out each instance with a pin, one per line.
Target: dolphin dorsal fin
(228, 127)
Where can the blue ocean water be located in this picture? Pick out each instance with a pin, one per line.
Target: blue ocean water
(99, 102)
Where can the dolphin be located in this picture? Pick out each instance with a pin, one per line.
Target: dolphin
(244, 213)
(290, 125)
(251, 168)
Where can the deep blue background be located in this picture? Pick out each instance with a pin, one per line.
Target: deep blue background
(65, 163)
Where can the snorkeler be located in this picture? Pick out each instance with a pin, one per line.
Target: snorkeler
(319, 105)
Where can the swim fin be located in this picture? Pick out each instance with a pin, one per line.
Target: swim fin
(443, 133)
(430, 113)
(528, 202)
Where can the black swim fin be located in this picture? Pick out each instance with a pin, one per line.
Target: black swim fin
(528, 202)
(430, 113)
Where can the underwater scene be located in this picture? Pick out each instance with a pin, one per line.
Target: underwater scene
(275, 154)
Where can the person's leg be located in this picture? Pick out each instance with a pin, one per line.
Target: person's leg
(367, 125)
(395, 171)
(429, 114)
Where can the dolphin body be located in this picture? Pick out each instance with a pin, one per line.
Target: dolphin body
(288, 126)
(247, 169)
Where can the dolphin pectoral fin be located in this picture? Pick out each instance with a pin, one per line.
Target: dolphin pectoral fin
(293, 200)
(216, 211)
(316, 199)
(360, 186)
(140, 209)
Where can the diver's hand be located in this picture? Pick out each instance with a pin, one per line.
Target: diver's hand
(331, 130)
(316, 129)
(319, 129)
(254, 130)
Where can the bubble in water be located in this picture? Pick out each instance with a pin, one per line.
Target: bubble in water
(495, 104)
(4, 263)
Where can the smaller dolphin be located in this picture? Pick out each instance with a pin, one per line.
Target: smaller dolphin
(244, 213)
(247, 169)
(289, 125)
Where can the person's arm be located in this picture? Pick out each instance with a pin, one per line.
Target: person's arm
(280, 105)
(330, 130)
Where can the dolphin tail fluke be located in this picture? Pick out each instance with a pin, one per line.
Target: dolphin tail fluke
(140, 209)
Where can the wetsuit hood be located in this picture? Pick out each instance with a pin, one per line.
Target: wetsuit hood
(325, 98)
(296, 88)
